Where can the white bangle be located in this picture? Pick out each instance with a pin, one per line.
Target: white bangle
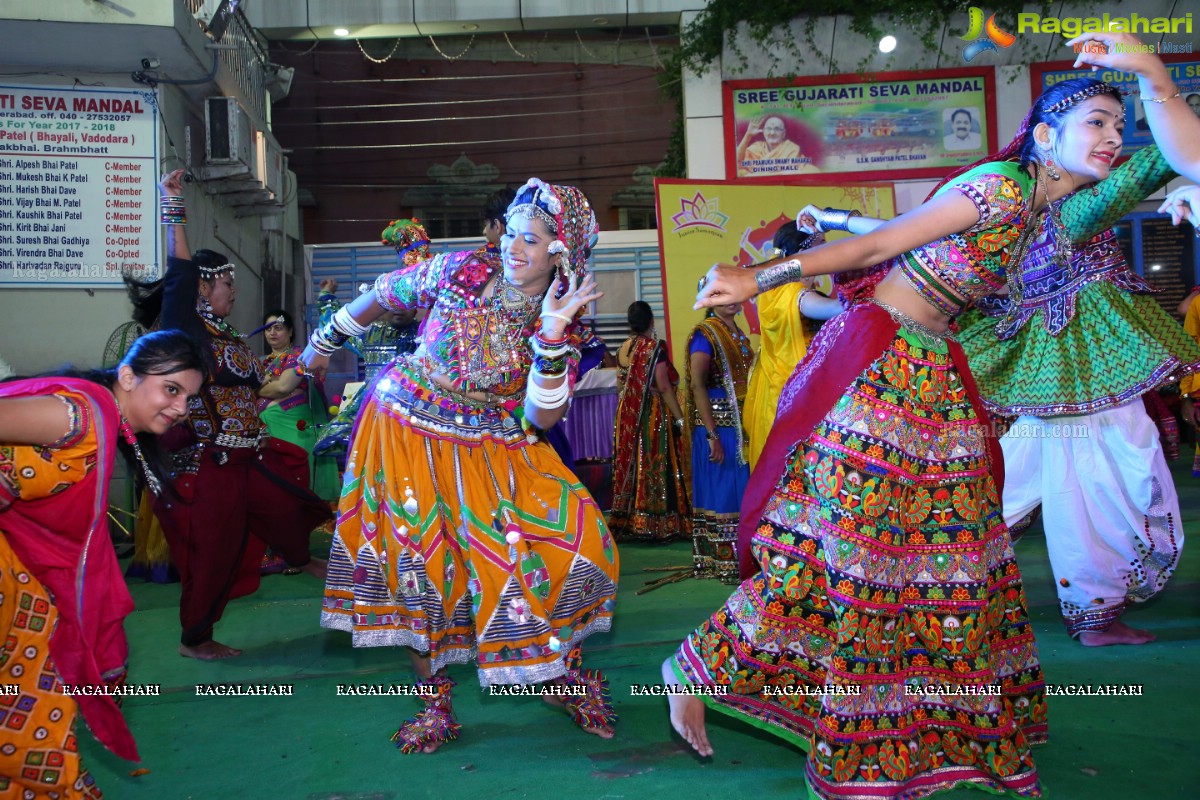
(543, 397)
(556, 315)
(344, 323)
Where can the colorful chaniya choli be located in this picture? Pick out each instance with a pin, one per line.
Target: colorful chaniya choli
(60, 624)
(650, 497)
(883, 626)
(378, 347)
(460, 533)
(1081, 336)
(1070, 355)
(717, 488)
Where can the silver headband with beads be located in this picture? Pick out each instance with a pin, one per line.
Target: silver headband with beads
(1082, 94)
(531, 210)
(210, 273)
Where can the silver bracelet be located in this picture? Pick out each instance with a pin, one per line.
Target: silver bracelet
(836, 219)
(778, 275)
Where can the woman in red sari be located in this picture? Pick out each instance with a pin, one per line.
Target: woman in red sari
(61, 625)
(650, 500)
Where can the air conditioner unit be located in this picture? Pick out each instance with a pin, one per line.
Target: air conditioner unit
(229, 136)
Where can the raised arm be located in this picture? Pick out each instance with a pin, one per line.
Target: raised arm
(171, 185)
(1089, 212)
(947, 213)
(1176, 129)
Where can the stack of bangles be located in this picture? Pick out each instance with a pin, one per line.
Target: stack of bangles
(549, 362)
(335, 333)
(171, 210)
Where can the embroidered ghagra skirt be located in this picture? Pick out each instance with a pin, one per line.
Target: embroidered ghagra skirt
(459, 538)
(883, 626)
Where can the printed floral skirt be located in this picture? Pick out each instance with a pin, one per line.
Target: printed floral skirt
(886, 631)
(39, 754)
(459, 538)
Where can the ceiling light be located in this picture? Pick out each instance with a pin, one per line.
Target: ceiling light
(600, 21)
(1155, 267)
(470, 26)
(341, 32)
(887, 44)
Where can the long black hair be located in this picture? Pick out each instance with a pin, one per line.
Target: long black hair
(147, 296)
(156, 353)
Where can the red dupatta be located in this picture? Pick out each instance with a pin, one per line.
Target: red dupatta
(63, 540)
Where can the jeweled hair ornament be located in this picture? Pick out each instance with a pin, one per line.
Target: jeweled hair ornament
(1077, 97)
(210, 273)
(568, 215)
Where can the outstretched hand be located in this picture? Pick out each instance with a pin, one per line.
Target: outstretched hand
(1183, 204)
(725, 284)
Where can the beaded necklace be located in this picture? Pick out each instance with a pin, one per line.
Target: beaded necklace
(130, 438)
(205, 310)
(490, 338)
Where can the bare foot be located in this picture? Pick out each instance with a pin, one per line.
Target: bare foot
(209, 651)
(1117, 633)
(316, 567)
(687, 714)
(557, 701)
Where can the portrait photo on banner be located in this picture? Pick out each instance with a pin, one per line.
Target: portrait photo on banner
(706, 222)
(908, 124)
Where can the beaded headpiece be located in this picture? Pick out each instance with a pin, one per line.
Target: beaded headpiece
(211, 273)
(409, 238)
(568, 215)
(1082, 94)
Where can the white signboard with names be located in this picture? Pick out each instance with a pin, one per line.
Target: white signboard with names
(78, 186)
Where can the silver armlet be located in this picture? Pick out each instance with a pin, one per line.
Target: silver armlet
(836, 219)
(783, 272)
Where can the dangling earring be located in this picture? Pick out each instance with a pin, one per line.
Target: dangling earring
(1051, 171)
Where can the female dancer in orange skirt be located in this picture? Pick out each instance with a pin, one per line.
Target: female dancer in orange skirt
(460, 533)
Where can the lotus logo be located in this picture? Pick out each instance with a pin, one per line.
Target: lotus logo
(699, 213)
(992, 33)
